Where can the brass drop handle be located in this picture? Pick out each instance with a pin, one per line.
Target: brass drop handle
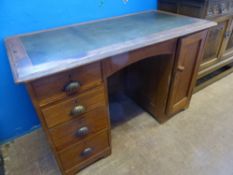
(86, 152)
(72, 87)
(77, 110)
(83, 131)
(180, 68)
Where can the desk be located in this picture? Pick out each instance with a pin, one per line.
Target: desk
(71, 72)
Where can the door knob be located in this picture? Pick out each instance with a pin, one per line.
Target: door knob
(180, 68)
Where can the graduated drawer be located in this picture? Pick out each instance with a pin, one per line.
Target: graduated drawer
(65, 84)
(84, 151)
(74, 107)
(80, 128)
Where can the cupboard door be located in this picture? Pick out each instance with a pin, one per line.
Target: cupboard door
(189, 54)
(228, 44)
(213, 44)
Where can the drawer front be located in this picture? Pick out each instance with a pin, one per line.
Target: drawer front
(79, 129)
(74, 107)
(84, 151)
(55, 87)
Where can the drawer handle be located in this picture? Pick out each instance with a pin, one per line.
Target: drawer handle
(77, 110)
(83, 131)
(72, 87)
(86, 152)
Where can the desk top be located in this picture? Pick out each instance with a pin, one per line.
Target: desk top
(43, 53)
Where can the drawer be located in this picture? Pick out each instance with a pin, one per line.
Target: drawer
(84, 151)
(80, 128)
(58, 86)
(74, 107)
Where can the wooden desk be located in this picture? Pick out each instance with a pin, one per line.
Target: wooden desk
(69, 75)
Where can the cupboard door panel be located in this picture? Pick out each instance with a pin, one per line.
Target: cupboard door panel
(187, 63)
(228, 44)
(213, 44)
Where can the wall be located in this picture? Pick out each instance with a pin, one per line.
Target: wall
(17, 115)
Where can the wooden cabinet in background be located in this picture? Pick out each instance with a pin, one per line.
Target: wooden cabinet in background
(218, 55)
(228, 44)
(214, 44)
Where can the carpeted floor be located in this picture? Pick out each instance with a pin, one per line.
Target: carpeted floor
(198, 141)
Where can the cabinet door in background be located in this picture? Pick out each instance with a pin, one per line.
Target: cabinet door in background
(227, 50)
(213, 45)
